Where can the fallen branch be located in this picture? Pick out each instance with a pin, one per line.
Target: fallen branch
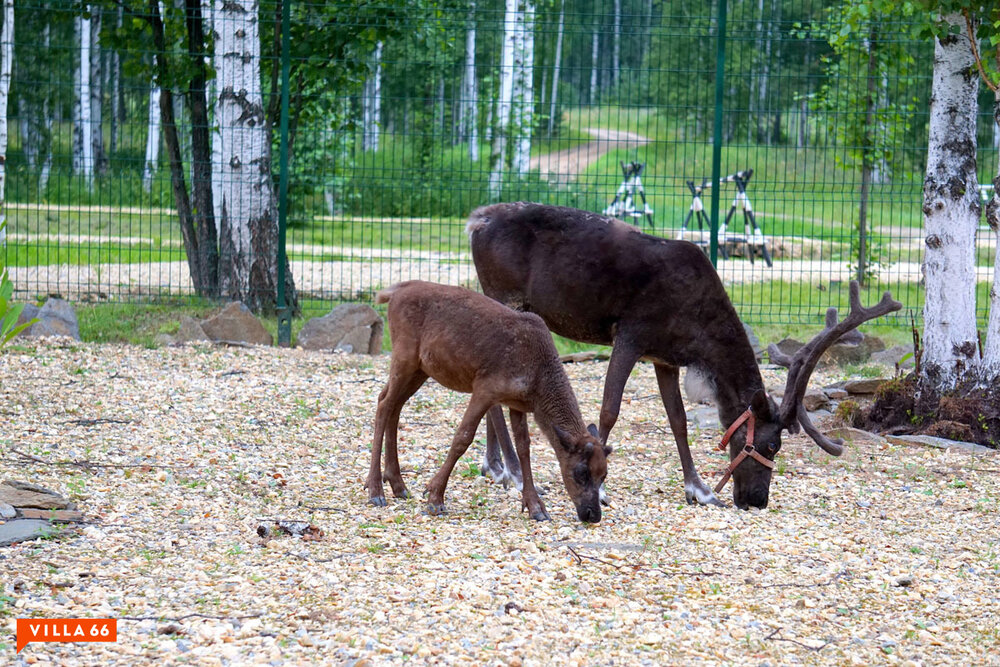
(775, 637)
(99, 420)
(88, 465)
(187, 616)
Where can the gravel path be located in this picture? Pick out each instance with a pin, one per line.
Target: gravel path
(885, 555)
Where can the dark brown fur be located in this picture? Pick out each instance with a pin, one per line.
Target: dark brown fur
(598, 280)
(469, 343)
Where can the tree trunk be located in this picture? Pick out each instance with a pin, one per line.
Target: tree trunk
(524, 94)
(201, 151)
(83, 155)
(249, 226)
(96, 93)
(867, 161)
(616, 44)
(152, 138)
(951, 215)
(208, 10)
(991, 352)
(116, 92)
(498, 157)
(372, 102)
(6, 67)
(469, 107)
(556, 64)
(45, 145)
(593, 67)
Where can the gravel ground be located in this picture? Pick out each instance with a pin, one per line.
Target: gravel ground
(888, 554)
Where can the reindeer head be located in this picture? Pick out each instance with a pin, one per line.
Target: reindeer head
(584, 465)
(751, 466)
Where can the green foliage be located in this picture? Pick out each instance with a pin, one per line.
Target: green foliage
(9, 312)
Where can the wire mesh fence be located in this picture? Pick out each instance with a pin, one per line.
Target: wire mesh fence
(143, 159)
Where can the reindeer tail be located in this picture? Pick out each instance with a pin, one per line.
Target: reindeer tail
(383, 296)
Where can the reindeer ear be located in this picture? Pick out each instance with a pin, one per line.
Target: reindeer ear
(563, 437)
(593, 431)
(607, 451)
(762, 406)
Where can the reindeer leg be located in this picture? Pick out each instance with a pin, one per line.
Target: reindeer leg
(390, 401)
(695, 490)
(529, 495)
(391, 472)
(507, 470)
(463, 438)
(623, 360)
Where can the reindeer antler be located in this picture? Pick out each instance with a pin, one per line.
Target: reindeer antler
(801, 364)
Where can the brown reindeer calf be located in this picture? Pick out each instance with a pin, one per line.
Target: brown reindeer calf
(470, 343)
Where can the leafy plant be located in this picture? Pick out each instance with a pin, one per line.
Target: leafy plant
(9, 312)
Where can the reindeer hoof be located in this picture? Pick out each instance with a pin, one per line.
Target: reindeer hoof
(377, 501)
(435, 509)
(541, 515)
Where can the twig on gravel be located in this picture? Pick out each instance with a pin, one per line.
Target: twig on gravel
(319, 560)
(358, 381)
(818, 584)
(639, 566)
(322, 509)
(90, 465)
(228, 373)
(775, 637)
(97, 421)
(187, 616)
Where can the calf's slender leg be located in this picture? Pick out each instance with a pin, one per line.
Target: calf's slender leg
(529, 495)
(695, 490)
(478, 406)
(508, 469)
(389, 402)
(391, 473)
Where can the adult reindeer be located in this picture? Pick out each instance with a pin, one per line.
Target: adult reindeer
(599, 280)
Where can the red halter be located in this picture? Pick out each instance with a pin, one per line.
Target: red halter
(748, 448)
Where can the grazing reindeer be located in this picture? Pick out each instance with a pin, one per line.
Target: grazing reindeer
(599, 280)
(470, 343)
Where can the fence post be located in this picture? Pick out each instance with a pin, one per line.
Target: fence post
(284, 314)
(720, 75)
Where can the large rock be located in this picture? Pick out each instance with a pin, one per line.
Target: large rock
(23, 530)
(23, 494)
(55, 318)
(189, 331)
(894, 356)
(351, 327)
(843, 354)
(758, 349)
(789, 346)
(236, 324)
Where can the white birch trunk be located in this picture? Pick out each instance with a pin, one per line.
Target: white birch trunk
(593, 67)
(96, 81)
(951, 215)
(249, 220)
(208, 12)
(47, 111)
(6, 67)
(372, 102)
(83, 149)
(498, 158)
(524, 94)
(991, 350)
(152, 139)
(469, 106)
(557, 63)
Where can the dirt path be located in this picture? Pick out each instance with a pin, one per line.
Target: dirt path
(566, 165)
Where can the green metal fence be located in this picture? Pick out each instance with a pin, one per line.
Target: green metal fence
(402, 116)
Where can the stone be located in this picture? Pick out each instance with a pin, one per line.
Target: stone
(758, 349)
(789, 345)
(815, 400)
(940, 443)
(236, 324)
(22, 530)
(55, 318)
(843, 354)
(189, 331)
(55, 516)
(893, 357)
(849, 434)
(697, 388)
(7, 511)
(835, 393)
(864, 386)
(704, 417)
(23, 494)
(28, 313)
(351, 325)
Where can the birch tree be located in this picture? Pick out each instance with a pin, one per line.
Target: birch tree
(951, 214)
(249, 224)
(556, 64)
(83, 149)
(616, 43)
(96, 131)
(6, 68)
(152, 138)
(498, 156)
(470, 103)
(523, 95)
(372, 102)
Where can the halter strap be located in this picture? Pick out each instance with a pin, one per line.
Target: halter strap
(748, 449)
